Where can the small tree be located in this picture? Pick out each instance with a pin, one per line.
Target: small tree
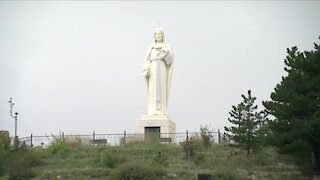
(246, 122)
(206, 136)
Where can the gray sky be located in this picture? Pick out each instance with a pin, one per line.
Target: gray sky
(76, 66)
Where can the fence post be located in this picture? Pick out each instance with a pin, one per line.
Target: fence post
(93, 135)
(124, 136)
(31, 143)
(62, 136)
(187, 135)
(218, 136)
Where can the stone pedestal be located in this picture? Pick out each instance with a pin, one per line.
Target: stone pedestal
(166, 125)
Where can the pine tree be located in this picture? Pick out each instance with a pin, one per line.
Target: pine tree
(295, 105)
(246, 122)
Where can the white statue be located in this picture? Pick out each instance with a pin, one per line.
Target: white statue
(157, 71)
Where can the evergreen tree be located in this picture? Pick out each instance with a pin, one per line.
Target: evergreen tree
(295, 105)
(247, 121)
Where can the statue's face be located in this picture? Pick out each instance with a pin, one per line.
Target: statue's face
(158, 36)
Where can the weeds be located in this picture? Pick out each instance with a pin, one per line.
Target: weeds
(22, 163)
(137, 172)
(206, 136)
(146, 161)
(109, 158)
(160, 160)
(59, 148)
(191, 147)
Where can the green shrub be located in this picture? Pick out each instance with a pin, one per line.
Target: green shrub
(2, 166)
(22, 163)
(98, 173)
(19, 162)
(226, 173)
(191, 147)
(265, 156)
(5, 140)
(59, 147)
(199, 159)
(206, 136)
(137, 172)
(109, 158)
(160, 160)
(21, 172)
(76, 174)
(3, 161)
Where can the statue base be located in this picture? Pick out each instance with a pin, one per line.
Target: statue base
(164, 122)
(157, 124)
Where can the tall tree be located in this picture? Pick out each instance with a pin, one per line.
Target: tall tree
(295, 105)
(246, 121)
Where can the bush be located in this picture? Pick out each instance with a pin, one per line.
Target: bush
(191, 147)
(226, 173)
(160, 160)
(2, 166)
(206, 136)
(109, 158)
(3, 161)
(98, 173)
(199, 159)
(19, 162)
(265, 156)
(59, 147)
(5, 140)
(20, 172)
(137, 172)
(22, 162)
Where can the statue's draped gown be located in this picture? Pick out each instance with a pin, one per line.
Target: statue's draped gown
(159, 61)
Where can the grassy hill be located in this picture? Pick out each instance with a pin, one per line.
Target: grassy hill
(145, 161)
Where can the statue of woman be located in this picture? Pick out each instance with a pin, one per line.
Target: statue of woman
(157, 71)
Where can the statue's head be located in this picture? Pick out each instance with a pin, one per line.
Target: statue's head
(159, 35)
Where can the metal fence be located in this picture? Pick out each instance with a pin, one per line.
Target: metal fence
(119, 139)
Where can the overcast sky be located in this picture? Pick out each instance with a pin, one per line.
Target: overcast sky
(76, 66)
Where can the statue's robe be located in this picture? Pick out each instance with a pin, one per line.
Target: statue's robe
(158, 78)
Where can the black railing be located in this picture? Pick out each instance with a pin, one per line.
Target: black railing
(118, 139)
